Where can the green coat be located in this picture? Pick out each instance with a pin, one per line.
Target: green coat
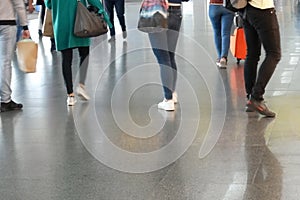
(63, 17)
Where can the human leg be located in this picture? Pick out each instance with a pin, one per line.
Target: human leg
(226, 21)
(215, 18)
(253, 54)
(7, 46)
(67, 56)
(41, 18)
(109, 7)
(120, 9)
(84, 62)
(53, 48)
(160, 49)
(7, 43)
(268, 31)
(174, 24)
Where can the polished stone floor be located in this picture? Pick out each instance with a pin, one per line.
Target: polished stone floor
(118, 146)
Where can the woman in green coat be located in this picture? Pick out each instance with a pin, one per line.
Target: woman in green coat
(63, 17)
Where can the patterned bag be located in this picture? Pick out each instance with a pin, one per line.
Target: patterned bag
(153, 16)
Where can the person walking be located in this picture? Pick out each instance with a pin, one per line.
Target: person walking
(164, 45)
(63, 15)
(261, 29)
(119, 5)
(221, 20)
(9, 9)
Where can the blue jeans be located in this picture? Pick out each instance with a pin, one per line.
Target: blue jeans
(163, 46)
(19, 31)
(221, 20)
(120, 9)
(261, 28)
(7, 47)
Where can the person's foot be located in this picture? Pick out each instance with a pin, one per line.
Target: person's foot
(112, 39)
(124, 34)
(167, 105)
(260, 107)
(10, 106)
(71, 100)
(223, 63)
(218, 62)
(248, 108)
(82, 92)
(40, 33)
(53, 48)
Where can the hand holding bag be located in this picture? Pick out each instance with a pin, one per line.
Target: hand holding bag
(48, 26)
(88, 24)
(153, 16)
(27, 51)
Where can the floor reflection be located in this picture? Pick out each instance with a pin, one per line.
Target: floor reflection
(264, 179)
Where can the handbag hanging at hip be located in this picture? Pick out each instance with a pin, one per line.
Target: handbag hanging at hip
(153, 16)
(88, 23)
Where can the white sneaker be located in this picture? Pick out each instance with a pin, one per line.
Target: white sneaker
(175, 97)
(218, 63)
(71, 100)
(167, 105)
(82, 92)
(223, 63)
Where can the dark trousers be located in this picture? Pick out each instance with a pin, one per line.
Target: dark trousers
(120, 9)
(43, 11)
(67, 57)
(261, 28)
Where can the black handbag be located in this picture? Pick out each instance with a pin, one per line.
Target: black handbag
(235, 5)
(88, 22)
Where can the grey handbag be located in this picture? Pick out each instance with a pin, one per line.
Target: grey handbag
(88, 23)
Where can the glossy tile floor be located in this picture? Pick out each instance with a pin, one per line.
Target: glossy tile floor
(119, 146)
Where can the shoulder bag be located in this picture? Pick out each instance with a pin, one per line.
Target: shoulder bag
(235, 5)
(89, 23)
(153, 16)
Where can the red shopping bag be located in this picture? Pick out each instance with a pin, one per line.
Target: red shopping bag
(238, 46)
